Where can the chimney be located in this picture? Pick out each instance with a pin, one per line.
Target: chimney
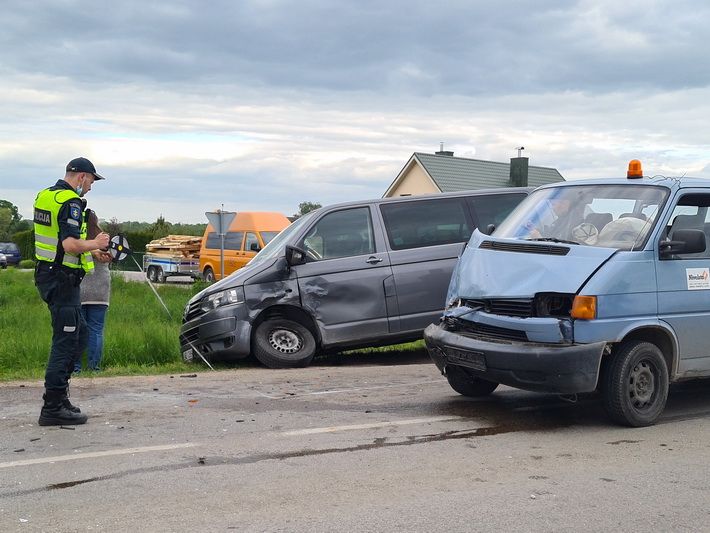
(518, 171)
(442, 151)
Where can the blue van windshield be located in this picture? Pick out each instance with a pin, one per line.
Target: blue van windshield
(607, 216)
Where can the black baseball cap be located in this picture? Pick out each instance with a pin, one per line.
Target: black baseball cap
(81, 164)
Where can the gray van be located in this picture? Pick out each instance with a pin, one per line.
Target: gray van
(344, 276)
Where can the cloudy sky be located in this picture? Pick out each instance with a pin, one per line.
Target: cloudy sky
(262, 104)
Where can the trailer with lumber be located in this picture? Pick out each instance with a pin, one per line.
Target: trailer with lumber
(174, 255)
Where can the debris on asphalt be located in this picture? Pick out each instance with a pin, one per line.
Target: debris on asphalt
(188, 376)
(192, 401)
(36, 438)
(67, 427)
(19, 450)
(155, 389)
(241, 420)
(201, 460)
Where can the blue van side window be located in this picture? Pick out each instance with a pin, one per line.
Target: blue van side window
(691, 212)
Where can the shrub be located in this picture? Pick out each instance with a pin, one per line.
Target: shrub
(27, 263)
(25, 241)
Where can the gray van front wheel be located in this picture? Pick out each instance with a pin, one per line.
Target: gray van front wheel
(636, 384)
(281, 343)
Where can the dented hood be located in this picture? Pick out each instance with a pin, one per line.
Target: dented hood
(501, 268)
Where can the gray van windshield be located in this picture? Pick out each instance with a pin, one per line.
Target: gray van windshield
(608, 216)
(276, 246)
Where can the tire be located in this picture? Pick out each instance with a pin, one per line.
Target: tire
(282, 343)
(160, 276)
(151, 274)
(467, 384)
(635, 384)
(208, 275)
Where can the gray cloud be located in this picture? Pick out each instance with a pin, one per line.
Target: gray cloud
(399, 47)
(263, 104)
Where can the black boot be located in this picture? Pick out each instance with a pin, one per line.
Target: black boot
(55, 413)
(66, 403)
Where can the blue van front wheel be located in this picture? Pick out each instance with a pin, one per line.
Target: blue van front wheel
(635, 384)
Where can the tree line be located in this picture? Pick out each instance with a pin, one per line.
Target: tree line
(13, 228)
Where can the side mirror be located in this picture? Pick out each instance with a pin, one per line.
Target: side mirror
(254, 247)
(490, 229)
(295, 255)
(683, 241)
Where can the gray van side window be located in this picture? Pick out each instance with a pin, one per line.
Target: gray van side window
(232, 240)
(691, 212)
(426, 223)
(493, 208)
(341, 234)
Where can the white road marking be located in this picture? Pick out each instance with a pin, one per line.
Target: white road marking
(90, 455)
(333, 429)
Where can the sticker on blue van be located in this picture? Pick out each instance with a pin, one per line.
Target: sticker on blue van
(697, 278)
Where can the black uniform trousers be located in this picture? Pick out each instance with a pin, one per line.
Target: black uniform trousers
(59, 288)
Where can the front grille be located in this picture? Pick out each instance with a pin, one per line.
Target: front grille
(190, 336)
(526, 248)
(520, 307)
(483, 331)
(193, 311)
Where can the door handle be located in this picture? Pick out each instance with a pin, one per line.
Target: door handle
(374, 260)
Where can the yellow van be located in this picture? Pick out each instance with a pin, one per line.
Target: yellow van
(248, 233)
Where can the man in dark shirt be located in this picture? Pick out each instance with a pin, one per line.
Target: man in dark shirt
(63, 257)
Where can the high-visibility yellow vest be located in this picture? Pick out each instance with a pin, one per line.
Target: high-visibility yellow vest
(46, 216)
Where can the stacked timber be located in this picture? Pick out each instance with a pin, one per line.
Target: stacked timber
(175, 246)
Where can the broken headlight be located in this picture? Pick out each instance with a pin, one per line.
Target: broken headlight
(453, 303)
(218, 299)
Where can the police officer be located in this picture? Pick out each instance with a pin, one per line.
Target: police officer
(63, 256)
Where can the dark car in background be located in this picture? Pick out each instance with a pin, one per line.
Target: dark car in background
(11, 252)
(3, 260)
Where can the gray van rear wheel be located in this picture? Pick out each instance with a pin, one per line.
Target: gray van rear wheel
(635, 384)
(281, 343)
(467, 384)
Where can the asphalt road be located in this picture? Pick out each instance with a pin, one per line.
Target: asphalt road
(347, 445)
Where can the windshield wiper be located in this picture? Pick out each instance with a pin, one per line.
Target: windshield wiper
(553, 239)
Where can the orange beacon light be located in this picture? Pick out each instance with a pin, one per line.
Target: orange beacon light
(635, 171)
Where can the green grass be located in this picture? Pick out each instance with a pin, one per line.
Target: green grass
(139, 337)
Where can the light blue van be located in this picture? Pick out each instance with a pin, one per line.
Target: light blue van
(598, 284)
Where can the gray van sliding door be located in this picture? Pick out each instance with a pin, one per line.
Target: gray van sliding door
(344, 282)
(425, 238)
